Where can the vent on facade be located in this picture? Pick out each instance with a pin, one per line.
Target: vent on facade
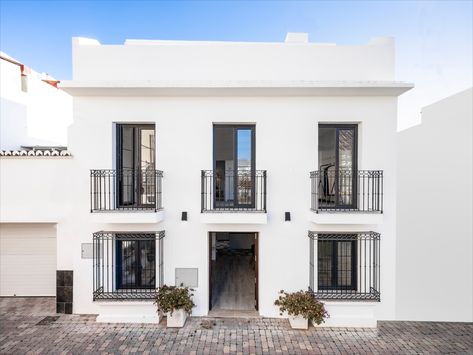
(297, 37)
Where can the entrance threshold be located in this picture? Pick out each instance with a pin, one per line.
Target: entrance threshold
(230, 313)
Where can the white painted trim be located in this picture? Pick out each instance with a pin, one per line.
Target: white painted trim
(234, 218)
(345, 218)
(127, 312)
(350, 314)
(127, 217)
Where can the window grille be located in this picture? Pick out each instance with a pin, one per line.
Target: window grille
(127, 265)
(345, 266)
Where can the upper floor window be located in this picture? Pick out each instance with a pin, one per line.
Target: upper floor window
(136, 165)
(337, 165)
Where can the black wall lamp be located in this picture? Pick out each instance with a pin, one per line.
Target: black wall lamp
(287, 216)
(184, 216)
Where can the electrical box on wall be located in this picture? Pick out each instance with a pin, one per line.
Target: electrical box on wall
(87, 250)
(187, 277)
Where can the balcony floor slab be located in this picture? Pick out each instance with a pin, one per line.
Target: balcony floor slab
(234, 217)
(127, 216)
(345, 217)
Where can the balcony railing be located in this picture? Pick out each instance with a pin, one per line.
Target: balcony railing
(233, 191)
(345, 266)
(127, 265)
(125, 190)
(347, 190)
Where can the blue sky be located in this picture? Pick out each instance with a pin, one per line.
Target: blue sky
(433, 38)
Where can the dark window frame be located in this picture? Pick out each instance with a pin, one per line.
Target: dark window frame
(236, 127)
(338, 127)
(335, 269)
(138, 277)
(135, 175)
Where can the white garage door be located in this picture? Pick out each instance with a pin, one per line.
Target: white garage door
(27, 259)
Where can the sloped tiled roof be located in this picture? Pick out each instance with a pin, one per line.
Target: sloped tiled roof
(35, 153)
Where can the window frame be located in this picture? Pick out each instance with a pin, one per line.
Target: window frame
(334, 277)
(138, 276)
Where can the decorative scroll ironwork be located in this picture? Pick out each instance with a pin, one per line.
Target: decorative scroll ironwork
(345, 266)
(127, 265)
(347, 190)
(125, 190)
(233, 191)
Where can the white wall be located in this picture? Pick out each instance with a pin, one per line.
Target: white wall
(38, 116)
(35, 189)
(435, 249)
(221, 61)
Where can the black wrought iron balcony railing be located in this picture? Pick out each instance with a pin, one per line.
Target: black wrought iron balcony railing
(233, 191)
(345, 266)
(127, 265)
(125, 190)
(347, 191)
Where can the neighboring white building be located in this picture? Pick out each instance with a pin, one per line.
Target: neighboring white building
(33, 111)
(272, 162)
(434, 273)
(34, 116)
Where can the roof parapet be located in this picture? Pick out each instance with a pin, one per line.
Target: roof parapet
(83, 41)
(297, 37)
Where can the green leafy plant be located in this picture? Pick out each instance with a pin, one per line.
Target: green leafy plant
(302, 303)
(170, 298)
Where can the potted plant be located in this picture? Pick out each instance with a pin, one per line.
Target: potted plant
(176, 302)
(301, 307)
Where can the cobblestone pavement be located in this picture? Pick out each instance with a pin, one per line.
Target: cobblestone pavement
(20, 333)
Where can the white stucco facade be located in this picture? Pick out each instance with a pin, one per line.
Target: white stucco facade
(285, 90)
(435, 238)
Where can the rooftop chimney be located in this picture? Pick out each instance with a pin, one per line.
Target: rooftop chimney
(297, 37)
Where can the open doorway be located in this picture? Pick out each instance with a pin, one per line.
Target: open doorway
(233, 272)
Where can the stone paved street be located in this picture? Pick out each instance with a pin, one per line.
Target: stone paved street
(21, 334)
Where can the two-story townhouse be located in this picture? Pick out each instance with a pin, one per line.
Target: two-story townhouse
(238, 169)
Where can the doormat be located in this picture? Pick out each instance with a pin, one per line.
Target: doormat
(48, 320)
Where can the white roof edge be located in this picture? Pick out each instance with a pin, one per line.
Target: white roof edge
(292, 41)
(234, 84)
(84, 41)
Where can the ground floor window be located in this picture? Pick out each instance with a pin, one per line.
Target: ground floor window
(136, 262)
(337, 264)
(127, 265)
(345, 265)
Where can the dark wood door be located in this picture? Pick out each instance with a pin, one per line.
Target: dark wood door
(256, 270)
(211, 267)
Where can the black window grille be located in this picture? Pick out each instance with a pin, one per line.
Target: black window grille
(127, 265)
(345, 266)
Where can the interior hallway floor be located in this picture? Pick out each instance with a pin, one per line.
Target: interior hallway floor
(233, 286)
